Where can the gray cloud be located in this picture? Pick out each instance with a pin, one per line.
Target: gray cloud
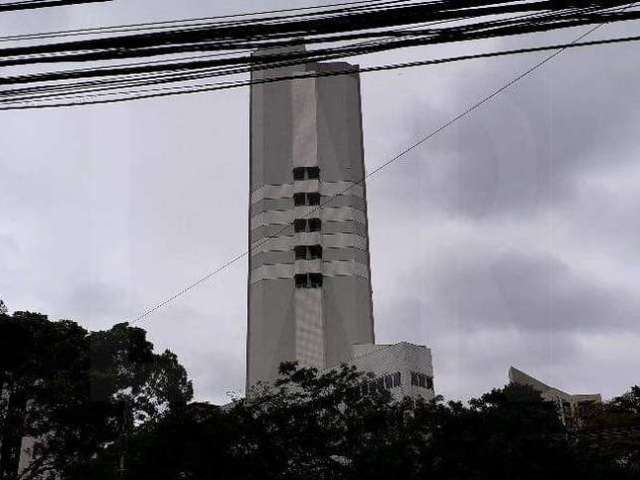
(480, 313)
(526, 293)
(527, 149)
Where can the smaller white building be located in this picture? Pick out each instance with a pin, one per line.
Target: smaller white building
(405, 369)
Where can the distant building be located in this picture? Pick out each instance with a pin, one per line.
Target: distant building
(309, 282)
(570, 406)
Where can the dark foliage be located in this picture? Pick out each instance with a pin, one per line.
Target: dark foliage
(317, 426)
(78, 392)
(103, 406)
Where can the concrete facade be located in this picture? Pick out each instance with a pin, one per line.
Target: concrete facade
(405, 369)
(309, 287)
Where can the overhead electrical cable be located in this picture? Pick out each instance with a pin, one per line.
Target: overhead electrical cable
(171, 23)
(177, 90)
(343, 33)
(261, 33)
(34, 4)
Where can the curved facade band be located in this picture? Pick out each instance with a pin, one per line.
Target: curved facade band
(329, 240)
(328, 189)
(326, 214)
(289, 270)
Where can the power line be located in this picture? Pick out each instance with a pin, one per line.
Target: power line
(25, 103)
(170, 23)
(174, 72)
(320, 28)
(178, 63)
(377, 170)
(34, 4)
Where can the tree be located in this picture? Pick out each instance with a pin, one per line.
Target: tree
(320, 426)
(78, 392)
(3, 308)
(611, 431)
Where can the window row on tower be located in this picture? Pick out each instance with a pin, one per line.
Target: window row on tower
(308, 280)
(306, 173)
(307, 252)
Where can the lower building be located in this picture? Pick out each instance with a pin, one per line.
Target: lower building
(405, 369)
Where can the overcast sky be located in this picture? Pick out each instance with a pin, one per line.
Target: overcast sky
(511, 238)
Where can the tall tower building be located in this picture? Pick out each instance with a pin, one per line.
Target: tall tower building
(309, 272)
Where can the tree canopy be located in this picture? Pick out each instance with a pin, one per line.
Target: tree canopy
(77, 392)
(103, 405)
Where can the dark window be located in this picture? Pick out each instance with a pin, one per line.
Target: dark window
(422, 380)
(298, 173)
(299, 225)
(315, 251)
(315, 224)
(430, 383)
(388, 382)
(315, 280)
(308, 280)
(313, 173)
(301, 252)
(298, 199)
(397, 379)
(414, 378)
(313, 198)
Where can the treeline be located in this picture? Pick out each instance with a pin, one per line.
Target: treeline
(103, 405)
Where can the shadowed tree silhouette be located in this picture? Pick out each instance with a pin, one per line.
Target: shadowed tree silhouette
(77, 392)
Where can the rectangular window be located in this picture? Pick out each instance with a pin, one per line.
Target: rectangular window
(313, 173)
(298, 173)
(315, 280)
(388, 382)
(313, 198)
(308, 280)
(397, 379)
(315, 224)
(422, 380)
(301, 280)
(315, 252)
(414, 378)
(430, 383)
(304, 173)
(299, 225)
(301, 252)
(298, 199)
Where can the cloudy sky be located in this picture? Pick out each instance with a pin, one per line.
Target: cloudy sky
(511, 238)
